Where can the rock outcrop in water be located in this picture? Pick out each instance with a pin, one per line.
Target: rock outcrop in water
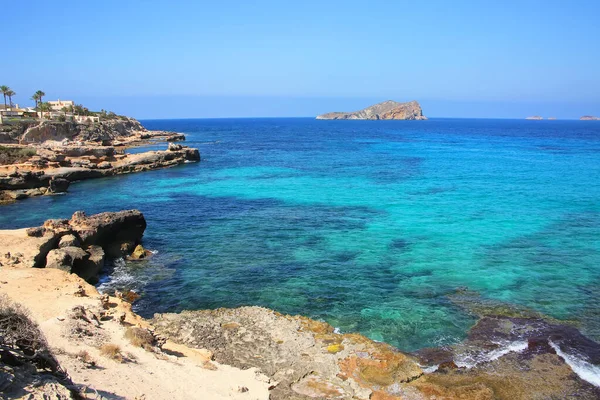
(78, 245)
(535, 118)
(52, 169)
(387, 110)
(589, 118)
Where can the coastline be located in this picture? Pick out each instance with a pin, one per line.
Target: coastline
(509, 354)
(63, 154)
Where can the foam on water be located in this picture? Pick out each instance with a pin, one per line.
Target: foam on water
(585, 370)
(471, 359)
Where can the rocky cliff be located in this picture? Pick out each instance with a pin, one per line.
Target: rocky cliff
(53, 168)
(41, 131)
(386, 110)
(78, 245)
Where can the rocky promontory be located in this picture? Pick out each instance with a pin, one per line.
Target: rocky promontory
(78, 245)
(387, 110)
(44, 157)
(118, 131)
(589, 118)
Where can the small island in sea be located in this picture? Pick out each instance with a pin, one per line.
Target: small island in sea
(535, 118)
(386, 110)
(589, 118)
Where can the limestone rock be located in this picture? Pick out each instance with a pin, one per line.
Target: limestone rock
(108, 228)
(139, 253)
(58, 185)
(65, 258)
(69, 241)
(104, 165)
(386, 110)
(90, 267)
(293, 351)
(174, 147)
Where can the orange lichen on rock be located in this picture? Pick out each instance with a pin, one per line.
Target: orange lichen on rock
(317, 327)
(380, 395)
(379, 370)
(314, 386)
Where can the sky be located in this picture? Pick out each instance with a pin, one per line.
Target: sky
(186, 59)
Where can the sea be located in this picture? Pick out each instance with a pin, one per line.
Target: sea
(371, 226)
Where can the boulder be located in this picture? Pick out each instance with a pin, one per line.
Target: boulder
(174, 147)
(34, 192)
(139, 253)
(65, 258)
(104, 165)
(90, 267)
(58, 185)
(192, 154)
(69, 241)
(110, 228)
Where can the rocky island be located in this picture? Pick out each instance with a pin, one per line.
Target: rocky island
(589, 118)
(535, 118)
(79, 343)
(387, 110)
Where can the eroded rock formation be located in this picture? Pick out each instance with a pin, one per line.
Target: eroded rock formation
(53, 168)
(79, 245)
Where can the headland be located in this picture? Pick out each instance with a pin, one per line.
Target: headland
(42, 157)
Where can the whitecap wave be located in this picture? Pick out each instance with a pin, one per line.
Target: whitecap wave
(430, 369)
(585, 370)
(470, 360)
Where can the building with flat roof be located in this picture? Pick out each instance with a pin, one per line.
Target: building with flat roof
(59, 104)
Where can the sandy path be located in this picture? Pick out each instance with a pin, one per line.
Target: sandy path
(49, 294)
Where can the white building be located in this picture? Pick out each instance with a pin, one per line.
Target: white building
(59, 104)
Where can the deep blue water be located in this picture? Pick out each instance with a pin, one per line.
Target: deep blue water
(368, 225)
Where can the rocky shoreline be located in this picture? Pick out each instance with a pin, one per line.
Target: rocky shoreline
(510, 353)
(65, 152)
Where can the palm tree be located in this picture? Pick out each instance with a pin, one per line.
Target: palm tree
(4, 89)
(10, 93)
(41, 95)
(45, 107)
(37, 99)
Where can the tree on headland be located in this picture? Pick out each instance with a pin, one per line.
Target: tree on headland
(38, 97)
(4, 89)
(10, 93)
(45, 107)
(81, 110)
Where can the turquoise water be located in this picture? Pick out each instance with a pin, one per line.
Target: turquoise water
(368, 225)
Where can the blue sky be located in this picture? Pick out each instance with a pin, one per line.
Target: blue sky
(157, 59)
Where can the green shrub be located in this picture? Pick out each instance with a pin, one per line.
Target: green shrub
(15, 155)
